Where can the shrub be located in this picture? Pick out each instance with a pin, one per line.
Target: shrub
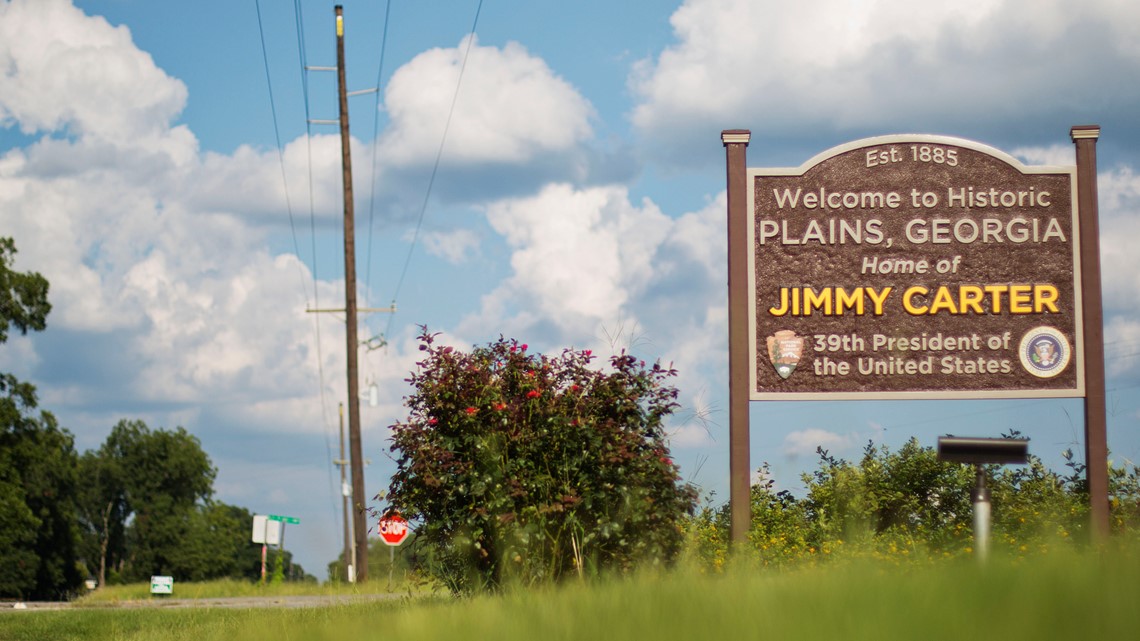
(777, 537)
(890, 501)
(907, 506)
(522, 467)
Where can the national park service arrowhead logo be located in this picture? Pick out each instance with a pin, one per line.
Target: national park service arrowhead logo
(785, 349)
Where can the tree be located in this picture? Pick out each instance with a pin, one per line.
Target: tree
(215, 544)
(146, 509)
(142, 492)
(18, 528)
(522, 467)
(23, 295)
(42, 457)
(38, 540)
(103, 512)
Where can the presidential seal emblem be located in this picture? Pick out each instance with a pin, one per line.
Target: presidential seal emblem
(1044, 352)
(785, 349)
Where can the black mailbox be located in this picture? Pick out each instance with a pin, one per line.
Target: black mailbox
(983, 450)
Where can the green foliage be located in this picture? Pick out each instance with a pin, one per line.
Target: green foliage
(1124, 498)
(527, 468)
(890, 501)
(18, 558)
(145, 510)
(778, 535)
(102, 513)
(215, 544)
(23, 295)
(907, 506)
(38, 554)
(277, 575)
(37, 469)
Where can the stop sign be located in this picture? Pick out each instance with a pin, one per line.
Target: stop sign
(393, 529)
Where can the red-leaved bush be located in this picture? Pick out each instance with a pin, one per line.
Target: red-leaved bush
(518, 467)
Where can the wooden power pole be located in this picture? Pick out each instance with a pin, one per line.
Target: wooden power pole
(359, 498)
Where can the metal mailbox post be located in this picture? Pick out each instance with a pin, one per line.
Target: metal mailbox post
(979, 452)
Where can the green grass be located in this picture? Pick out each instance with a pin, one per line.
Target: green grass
(1067, 597)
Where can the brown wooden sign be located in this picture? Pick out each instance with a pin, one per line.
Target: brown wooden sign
(914, 267)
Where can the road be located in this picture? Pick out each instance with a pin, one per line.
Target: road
(224, 602)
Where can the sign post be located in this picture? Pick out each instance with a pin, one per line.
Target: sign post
(1096, 419)
(270, 530)
(267, 532)
(283, 520)
(740, 508)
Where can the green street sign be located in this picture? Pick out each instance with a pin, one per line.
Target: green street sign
(284, 519)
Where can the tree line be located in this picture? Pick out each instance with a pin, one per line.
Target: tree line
(139, 505)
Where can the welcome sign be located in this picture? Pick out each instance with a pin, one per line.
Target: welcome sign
(914, 267)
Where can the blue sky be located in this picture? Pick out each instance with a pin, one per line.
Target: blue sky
(579, 202)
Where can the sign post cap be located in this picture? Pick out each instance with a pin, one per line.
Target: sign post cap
(1078, 132)
(729, 136)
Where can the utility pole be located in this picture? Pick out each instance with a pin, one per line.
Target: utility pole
(349, 548)
(359, 498)
(359, 545)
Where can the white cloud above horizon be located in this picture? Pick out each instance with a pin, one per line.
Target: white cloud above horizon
(821, 65)
(510, 108)
(49, 48)
(804, 442)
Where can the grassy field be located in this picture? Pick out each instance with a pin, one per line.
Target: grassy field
(1095, 596)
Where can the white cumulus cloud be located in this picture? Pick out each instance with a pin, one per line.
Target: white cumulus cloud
(63, 69)
(805, 442)
(786, 68)
(511, 107)
(454, 246)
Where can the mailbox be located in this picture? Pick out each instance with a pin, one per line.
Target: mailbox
(980, 451)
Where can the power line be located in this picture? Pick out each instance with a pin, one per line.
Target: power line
(280, 149)
(375, 139)
(375, 147)
(435, 166)
(299, 23)
(288, 200)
